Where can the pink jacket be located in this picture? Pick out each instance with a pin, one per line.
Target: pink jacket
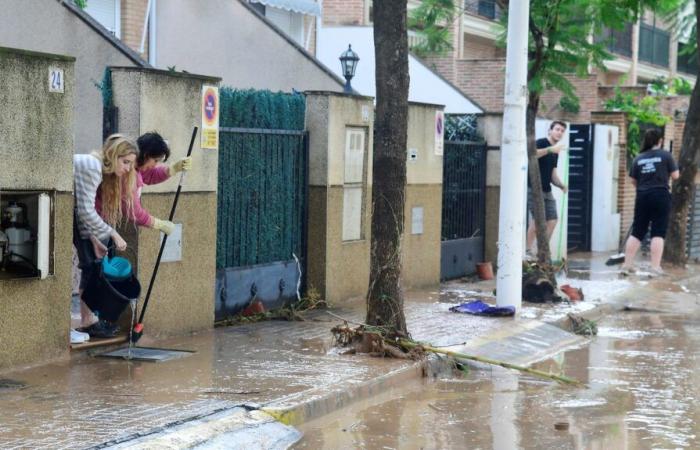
(156, 175)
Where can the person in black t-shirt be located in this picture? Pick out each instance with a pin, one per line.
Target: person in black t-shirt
(650, 173)
(548, 150)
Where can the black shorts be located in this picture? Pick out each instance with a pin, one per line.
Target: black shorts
(651, 206)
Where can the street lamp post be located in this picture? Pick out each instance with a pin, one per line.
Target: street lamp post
(348, 61)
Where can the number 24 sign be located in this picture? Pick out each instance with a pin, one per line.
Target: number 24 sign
(56, 80)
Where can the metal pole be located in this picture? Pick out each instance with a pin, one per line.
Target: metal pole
(513, 160)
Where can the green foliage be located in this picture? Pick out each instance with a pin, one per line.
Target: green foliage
(570, 104)
(105, 86)
(431, 19)
(683, 21)
(676, 86)
(682, 86)
(261, 109)
(641, 113)
(82, 4)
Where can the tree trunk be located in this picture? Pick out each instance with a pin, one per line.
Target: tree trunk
(385, 296)
(543, 253)
(684, 187)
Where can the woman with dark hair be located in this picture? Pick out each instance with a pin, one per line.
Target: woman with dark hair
(650, 173)
(153, 152)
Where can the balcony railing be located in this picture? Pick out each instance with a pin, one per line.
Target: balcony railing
(487, 9)
(617, 41)
(687, 63)
(654, 45)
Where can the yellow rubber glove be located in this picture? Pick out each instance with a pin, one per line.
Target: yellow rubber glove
(165, 226)
(181, 165)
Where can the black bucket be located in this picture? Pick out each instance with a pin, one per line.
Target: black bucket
(109, 298)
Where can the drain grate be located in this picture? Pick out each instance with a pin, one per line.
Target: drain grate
(11, 385)
(147, 354)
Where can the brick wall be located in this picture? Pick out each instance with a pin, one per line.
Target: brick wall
(444, 65)
(477, 48)
(626, 192)
(482, 80)
(587, 92)
(343, 12)
(133, 17)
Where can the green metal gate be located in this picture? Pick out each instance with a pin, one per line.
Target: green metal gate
(262, 207)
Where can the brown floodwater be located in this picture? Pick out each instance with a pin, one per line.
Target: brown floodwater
(642, 386)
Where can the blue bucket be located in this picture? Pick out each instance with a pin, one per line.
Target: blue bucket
(116, 268)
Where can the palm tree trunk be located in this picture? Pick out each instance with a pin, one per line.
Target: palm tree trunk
(385, 296)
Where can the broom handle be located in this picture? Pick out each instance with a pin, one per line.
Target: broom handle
(165, 236)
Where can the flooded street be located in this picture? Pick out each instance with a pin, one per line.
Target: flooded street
(642, 375)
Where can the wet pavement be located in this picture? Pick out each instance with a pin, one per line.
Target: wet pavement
(86, 401)
(643, 383)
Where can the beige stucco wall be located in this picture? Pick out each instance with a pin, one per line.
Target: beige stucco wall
(35, 145)
(490, 127)
(48, 26)
(227, 39)
(421, 252)
(36, 150)
(169, 103)
(183, 295)
(338, 269)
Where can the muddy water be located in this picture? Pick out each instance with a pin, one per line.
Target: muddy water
(643, 383)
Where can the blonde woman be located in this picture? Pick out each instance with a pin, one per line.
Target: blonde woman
(107, 175)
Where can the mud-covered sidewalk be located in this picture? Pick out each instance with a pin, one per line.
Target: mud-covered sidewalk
(244, 384)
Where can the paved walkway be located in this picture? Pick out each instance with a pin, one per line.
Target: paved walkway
(88, 401)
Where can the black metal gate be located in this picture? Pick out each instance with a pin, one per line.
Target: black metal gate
(262, 203)
(693, 230)
(463, 208)
(580, 187)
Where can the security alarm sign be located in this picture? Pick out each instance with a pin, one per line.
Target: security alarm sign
(210, 117)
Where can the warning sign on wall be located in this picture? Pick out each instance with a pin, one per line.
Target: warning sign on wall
(210, 117)
(439, 131)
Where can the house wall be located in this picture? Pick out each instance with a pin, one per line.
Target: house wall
(36, 145)
(24, 25)
(183, 295)
(338, 269)
(421, 252)
(229, 40)
(133, 15)
(344, 12)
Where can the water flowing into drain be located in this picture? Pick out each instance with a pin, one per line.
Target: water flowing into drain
(131, 326)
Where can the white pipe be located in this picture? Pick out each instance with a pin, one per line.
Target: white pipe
(513, 160)
(319, 24)
(152, 34)
(145, 27)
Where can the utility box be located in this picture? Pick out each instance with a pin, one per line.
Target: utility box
(36, 205)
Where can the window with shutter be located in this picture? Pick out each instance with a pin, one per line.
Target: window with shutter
(106, 12)
(354, 165)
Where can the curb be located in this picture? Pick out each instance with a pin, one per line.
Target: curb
(313, 404)
(525, 344)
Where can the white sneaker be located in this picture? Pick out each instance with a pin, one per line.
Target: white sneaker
(78, 337)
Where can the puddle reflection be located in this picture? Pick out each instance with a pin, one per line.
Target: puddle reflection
(642, 383)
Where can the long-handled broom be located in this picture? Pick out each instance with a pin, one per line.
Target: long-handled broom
(137, 331)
